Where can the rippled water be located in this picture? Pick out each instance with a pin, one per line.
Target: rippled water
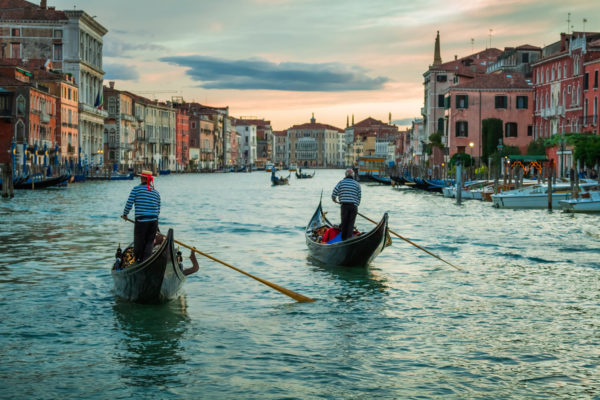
(523, 322)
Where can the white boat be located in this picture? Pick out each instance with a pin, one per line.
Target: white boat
(535, 196)
(292, 167)
(269, 166)
(586, 202)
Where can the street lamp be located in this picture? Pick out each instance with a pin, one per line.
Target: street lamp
(471, 144)
(499, 151)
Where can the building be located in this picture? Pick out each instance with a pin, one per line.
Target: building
(559, 90)
(264, 139)
(591, 94)
(248, 141)
(182, 131)
(280, 149)
(315, 145)
(505, 96)
(82, 53)
(28, 123)
(440, 76)
(120, 129)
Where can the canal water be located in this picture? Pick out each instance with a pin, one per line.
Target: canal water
(521, 321)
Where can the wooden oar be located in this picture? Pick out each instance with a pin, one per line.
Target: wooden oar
(296, 296)
(414, 244)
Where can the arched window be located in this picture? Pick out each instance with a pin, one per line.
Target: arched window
(440, 126)
(20, 105)
(595, 111)
(20, 136)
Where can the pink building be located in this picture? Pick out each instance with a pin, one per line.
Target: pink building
(508, 97)
(559, 81)
(182, 132)
(591, 94)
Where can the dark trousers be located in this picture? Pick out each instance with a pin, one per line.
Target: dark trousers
(143, 239)
(349, 211)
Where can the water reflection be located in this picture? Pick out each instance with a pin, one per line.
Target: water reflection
(150, 342)
(358, 282)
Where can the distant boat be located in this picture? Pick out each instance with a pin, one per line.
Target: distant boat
(300, 175)
(279, 180)
(293, 167)
(164, 172)
(38, 182)
(116, 176)
(269, 166)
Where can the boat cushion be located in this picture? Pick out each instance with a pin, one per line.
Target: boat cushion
(337, 238)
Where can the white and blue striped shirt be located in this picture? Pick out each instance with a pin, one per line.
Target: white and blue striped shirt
(348, 191)
(147, 203)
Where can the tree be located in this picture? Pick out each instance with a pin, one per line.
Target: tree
(491, 132)
(537, 147)
(465, 159)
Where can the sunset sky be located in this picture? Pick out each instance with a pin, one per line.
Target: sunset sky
(283, 60)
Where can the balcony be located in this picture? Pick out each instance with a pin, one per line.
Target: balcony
(92, 110)
(45, 118)
(128, 117)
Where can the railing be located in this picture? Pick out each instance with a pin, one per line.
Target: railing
(45, 118)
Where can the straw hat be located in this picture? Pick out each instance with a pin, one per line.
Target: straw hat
(145, 172)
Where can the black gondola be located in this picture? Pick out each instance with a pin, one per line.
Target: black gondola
(305, 176)
(34, 183)
(278, 180)
(356, 252)
(157, 279)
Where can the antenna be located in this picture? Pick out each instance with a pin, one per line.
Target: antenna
(584, 21)
(568, 22)
(491, 30)
(472, 43)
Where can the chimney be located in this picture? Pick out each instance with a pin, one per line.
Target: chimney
(111, 84)
(455, 57)
(563, 39)
(43, 4)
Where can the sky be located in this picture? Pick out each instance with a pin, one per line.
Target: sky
(283, 60)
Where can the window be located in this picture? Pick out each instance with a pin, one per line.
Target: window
(440, 100)
(112, 107)
(442, 78)
(595, 111)
(462, 101)
(462, 129)
(586, 81)
(15, 50)
(58, 52)
(525, 58)
(530, 130)
(510, 129)
(440, 127)
(15, 32)
(58, 33)
(596, 79)
(501, 101)
(522, 102)
(20, 105)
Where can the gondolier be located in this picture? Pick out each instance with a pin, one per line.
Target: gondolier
(147, 208)
(347, 192)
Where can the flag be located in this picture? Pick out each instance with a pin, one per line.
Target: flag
(99, 101)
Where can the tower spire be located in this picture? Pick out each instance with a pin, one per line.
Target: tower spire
(437, 58)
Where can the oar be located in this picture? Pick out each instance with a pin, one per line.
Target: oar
(414, 244)
(296, 296)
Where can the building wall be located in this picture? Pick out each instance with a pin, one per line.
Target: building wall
(592, 97)
(481, 106)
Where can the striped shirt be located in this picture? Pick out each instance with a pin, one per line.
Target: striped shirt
(147, 203)
(348, 191)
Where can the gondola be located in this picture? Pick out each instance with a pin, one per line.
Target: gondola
(34, 183)
(356, 252)
(157, 279)
(281, 180)
(382, 180)
(304, 176)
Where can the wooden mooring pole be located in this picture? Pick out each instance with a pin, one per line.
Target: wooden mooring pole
(7, 182)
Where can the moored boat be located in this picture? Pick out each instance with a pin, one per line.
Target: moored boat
(39, 182)
(358, 251)
(535, 196)
(587, 202)
(157, 279)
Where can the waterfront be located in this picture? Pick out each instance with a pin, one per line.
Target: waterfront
(522, 323)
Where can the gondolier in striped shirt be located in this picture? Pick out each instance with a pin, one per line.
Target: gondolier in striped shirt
(147, 208)
(347, 192)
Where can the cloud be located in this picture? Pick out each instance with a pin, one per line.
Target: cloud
(120, 72)
(403, 122)
(116, 48)
(256, 74)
